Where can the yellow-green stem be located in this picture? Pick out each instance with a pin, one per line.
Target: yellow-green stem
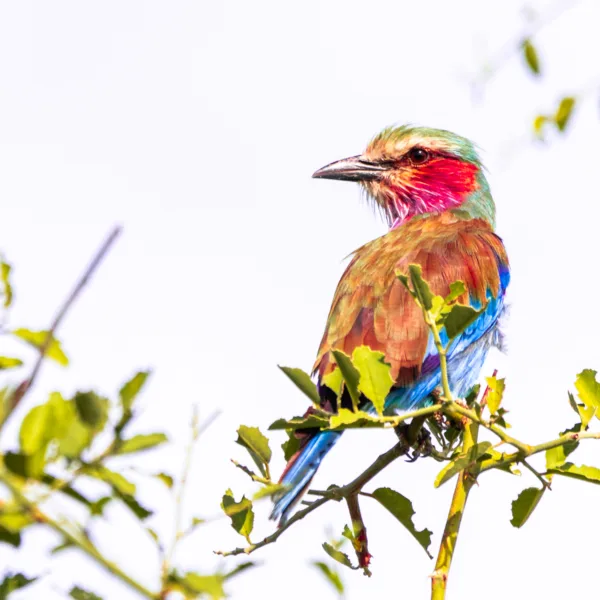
(442, 354)
(465, 482)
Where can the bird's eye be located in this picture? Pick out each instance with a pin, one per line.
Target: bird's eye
(418, 156)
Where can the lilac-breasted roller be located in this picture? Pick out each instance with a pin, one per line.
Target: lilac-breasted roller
(431, 187)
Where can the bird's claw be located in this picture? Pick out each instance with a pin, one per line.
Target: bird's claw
(422, 446)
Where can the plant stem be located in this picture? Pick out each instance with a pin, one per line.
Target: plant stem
(275, 535)
(515, 457)
(337, 494)
(359, 529)
(466, 480)
(441, 352)
(454, 408)
(78, 539)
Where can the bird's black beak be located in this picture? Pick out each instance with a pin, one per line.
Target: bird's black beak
(354, 168)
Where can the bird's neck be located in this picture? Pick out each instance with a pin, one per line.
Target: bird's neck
(479, 203)
(474, 203)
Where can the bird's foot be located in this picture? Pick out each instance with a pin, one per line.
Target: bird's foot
(420, 443)
(423, 446)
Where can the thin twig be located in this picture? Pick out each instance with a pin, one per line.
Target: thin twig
(335, 493)
(359, 530)
(26, 385)
(516, 457)
(275, 535)
(545, 483)
(196, 430)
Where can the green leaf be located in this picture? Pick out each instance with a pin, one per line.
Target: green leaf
(350, 374)
(334, 381)
(26, 465)
(583, 473)
(65, 489)
(115, 480)
(462, 462)
(72, 435)
(457, 289)
(290, 446)
(310, 422)
(91, 409)
(531, 56)
(420, 287)
(239, 569)
(7, 292)
(458, 319)
(338, 555)
(332, 576)
(588, 390)
(240, 513)
(141, 512)
(495, 394)
(269, 490)
(211, 585)
(524, 505)
(12, 583)
(556, 457)
(348, 419)
(538, 126)
(257, 446)
(37, 339)
(564, 112)
(81, 594)
(97, 507)
(402, 508)
(572, 403)
(166, 479)
(130, 390)
(141, 442)
(8, 362)
(11, 538)
(35, 428)
(14, 521)
(375, 377)
(303, 382)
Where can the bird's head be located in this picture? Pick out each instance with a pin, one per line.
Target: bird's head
(412, 171)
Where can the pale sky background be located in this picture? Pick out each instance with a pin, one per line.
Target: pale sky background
(197, 126)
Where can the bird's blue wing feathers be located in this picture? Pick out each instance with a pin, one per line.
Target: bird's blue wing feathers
(466, 354)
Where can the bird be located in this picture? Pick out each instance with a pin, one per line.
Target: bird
(431, 188)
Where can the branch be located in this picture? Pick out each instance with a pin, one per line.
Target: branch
(466, 480)
(359, 530)
(453, 408)
(516, 457)
(334, 493)
(274, 536)
(26, 385)
(78, 539)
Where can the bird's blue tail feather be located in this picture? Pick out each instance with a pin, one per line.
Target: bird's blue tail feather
(300, 470)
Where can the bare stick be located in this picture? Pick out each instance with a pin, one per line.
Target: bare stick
(26, 385)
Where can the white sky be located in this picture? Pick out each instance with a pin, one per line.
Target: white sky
(197, 126)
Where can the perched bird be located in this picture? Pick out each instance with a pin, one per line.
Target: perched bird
(431, 188)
